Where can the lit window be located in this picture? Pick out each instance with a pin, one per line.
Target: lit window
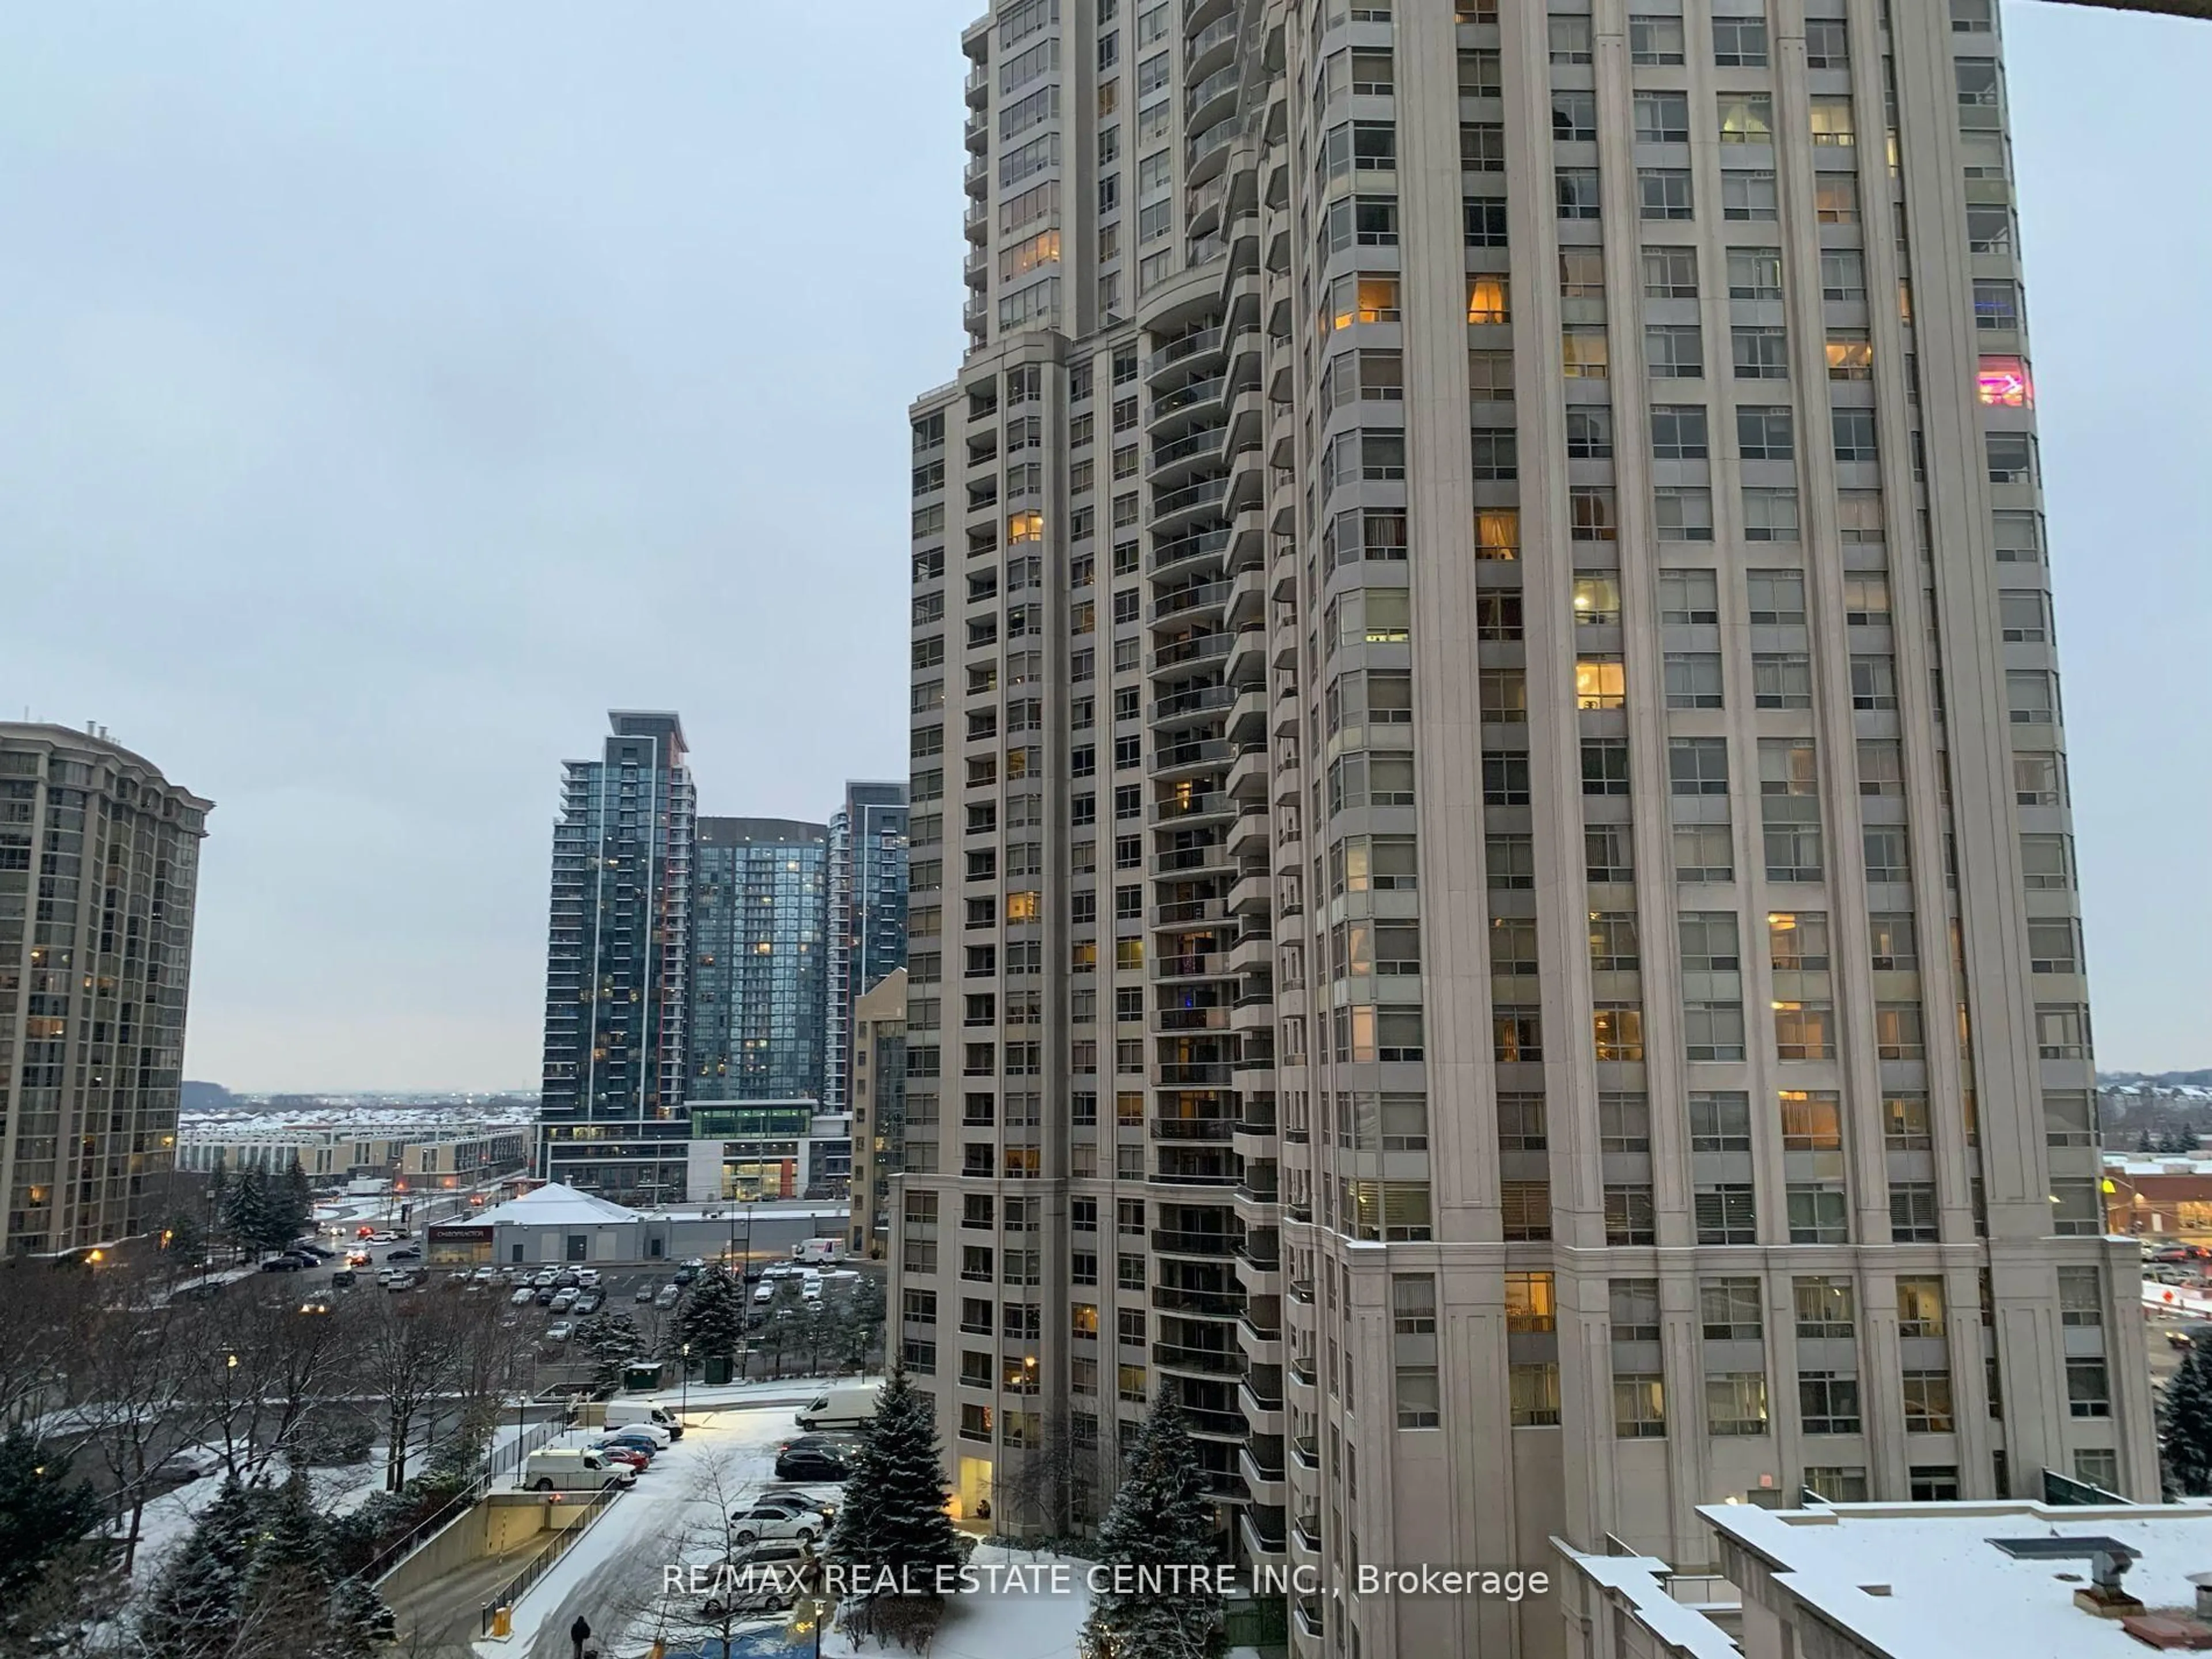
(2003, 383)
(1486, 300)
(1601, 682)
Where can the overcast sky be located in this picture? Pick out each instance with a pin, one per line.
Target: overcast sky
(386, 391)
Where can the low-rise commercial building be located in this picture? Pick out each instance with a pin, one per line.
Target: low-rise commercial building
(556, 1225)
(2150, 1196)
(1906, 1581)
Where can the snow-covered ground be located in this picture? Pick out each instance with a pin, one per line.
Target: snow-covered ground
(1032, 1613)
(671, 1516)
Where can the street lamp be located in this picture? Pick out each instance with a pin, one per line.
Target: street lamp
(686, 1405)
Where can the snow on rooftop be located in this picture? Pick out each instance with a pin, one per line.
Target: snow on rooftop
(1642, 1581)
(1941, 1586)
(552, 1206)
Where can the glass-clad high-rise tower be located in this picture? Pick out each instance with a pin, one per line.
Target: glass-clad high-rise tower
(617, 966)
(867, 915)
(1492, 893)
(759, 959)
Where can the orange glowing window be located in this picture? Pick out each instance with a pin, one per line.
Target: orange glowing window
(1487, 300)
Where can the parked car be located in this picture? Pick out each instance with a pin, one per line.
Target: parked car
(282, 1264)
(544, 1278)
(645, 1293)
(565, 1279)
(767, 1578)
(406, 1253)
(684, 1276)
(562, 1301)
(543, 1295)
(357, 1258)
(587, 1276)
(587, 1302)
(2187, 1336)
(484, 1275)
(669, 1297)
(643, 1450)
(523, 1297)
(559, 1331)
(812, 1463)
(768, 1519)
(344, 1278)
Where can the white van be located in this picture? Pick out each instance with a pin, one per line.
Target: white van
(847, 1407)
(620, 1413)
(573, 1469)
(817, 1250)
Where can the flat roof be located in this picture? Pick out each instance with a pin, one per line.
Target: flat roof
(1940, 1587)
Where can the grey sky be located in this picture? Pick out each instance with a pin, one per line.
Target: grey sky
(387, 390)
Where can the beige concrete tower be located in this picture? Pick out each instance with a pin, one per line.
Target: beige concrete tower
(99, 873)
(1492, 893)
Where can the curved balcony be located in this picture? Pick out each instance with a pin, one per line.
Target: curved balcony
(979, 86)
(1207, 862)
(1263, 1526)
(1181, 601)
(1198, 1304)
(1201, 447)
(975, 269)
(1198, 13)
(977, 222)
(1178, 508)
(1172, 557)
(1201, 649)
(1192, 913)
(1199, 1362)
(1193, 810)
(1247, 658)
(1210, 48)
(1173, 411)
(1264, 1484)
(1192, 965)
(1209, 150)
(1253, 831)
(1209, 1131)
(1190, 757)
(1189, 352)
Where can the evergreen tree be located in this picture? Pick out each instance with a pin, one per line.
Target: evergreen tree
(215, 1201)
(287, 1585)
(612, 1340)
(195, 1608)
(298, 1201)
(2144, 1142)
(713, 1317)
(41, 1512)
(2184, 1428)
(187, 1242)
(256, 1217)
(894, 1521)
(1161, 1519)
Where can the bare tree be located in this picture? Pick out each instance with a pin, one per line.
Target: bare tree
(1053, 1483)
(713, 1595)
(131, 1372)
(271, 1359)
(409, 1349)
(36, 1302)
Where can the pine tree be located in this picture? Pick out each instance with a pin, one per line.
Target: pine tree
(299, 1202)
(2184, 1425)
(713, 1317)
(1161, 1519)
(196, 1604)
(217, 1200)
(2144, 1142)
(894, 1528)
(255, 1215)
(41, 1512)
(612, 1340)
(187, 1245)
(287, 1585)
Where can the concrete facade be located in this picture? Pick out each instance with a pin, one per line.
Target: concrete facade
(1492, 899)
(99, 880)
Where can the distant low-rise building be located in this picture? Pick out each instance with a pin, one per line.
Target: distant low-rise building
(447, 1156)
(2146, 1196)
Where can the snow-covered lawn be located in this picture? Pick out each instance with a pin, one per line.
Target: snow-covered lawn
(1034, 1614)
